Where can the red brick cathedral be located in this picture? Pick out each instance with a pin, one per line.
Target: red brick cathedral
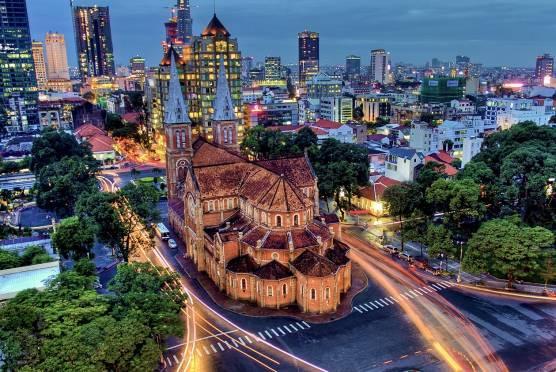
(253, 226)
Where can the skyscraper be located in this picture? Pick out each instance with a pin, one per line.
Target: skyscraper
(40, 66)
(18, 83)
(308, 56)
(544, 67)
(137, 65)
(214, 43)
(185, 23)
(380, 66)
(353, 67)
(56, 57)
(272, 68)
(93, 38)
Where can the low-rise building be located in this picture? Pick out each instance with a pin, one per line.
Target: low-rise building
(102, 145)
(338, 109)
(370, 198)
(401, 163)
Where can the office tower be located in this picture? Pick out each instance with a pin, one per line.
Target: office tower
(544, 67)
(40, 66)
(56, 57)
(93, 38)
(353, 67)
(272, 68)
(462, 61)
(380, 66)
(184, 21)
(137, 65)
(308, 56)
(247, 64)
(18, 83)
(215, 42)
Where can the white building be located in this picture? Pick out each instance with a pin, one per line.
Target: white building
(401, 163)
(380, 66)
(462, 106)
(471, 147)
(338, 109)
(424, 138)
(322, 85)
(504, 112)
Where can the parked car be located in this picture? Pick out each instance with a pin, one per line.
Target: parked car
(406, 257)
(434, 270)
(172, 244)
(390, 249)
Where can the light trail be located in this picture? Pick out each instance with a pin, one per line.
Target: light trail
(469, 341)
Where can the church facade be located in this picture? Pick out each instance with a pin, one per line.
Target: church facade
(253, 226)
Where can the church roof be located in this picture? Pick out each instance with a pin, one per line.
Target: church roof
(215, 28)
(223, 104)
(176, 110)
(311, 264)
(297, 170)
(242, 264)
(207, 154)
(273, 270)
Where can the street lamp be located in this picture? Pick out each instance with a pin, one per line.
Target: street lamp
(460, 242)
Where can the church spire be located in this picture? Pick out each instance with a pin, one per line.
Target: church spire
(223, 105)
(176, 110)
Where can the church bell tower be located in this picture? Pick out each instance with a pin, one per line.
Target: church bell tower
(224, 120)
(177, 129)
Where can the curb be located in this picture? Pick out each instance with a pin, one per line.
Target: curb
(506, 293)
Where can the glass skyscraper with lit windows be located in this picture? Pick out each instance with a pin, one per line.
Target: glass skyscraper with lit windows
(308, 47)
(18, 85)
(93, 38)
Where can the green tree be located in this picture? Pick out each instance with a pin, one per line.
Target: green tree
(34, 255)
(440, 242)
(415, 228)
(60, 184)
(9, 260)
(73, 238)
(505, 248)
(400, 201)
(305, 138)
(53, 146)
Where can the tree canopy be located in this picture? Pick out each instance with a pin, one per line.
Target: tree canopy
(74, 238)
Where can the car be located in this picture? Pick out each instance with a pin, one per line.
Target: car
(407, 257)
(390, 249)
(172, 244)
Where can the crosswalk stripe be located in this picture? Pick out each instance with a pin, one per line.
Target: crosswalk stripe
(299, 325)
(374, 305)
(286, 328)
(175, 358)
(247, 338)
(262, 337)
(199, 351)
(438, 288)
(408, 295)
(394, 299)
(273, 331)
(449, 284)
(383, 302)
(240, 340)
(234, 342)
(295, 329)
(268, 334)
(381, 305)
(432, 288)
(206, 350)
(220, 346)
(367, 306)
(427, 290)
(307, 324)
(421, 291)
(169, 361)
(415, 294)
(282, 332)
(443, 286)
(213, 348)
(356, 308)
(403, 296)
(227, 344)
(391, 302)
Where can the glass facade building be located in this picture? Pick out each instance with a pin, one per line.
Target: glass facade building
(18, 85)
(308, 56)
(93, 38)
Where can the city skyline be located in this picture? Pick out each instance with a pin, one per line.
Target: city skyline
(410, 35)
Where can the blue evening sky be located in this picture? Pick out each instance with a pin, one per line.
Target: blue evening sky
(494, 32)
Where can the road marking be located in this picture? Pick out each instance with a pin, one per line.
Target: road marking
(449, 284)
(419, 292)
(282, 332)
(206, 350)
(268, 334)
(367, 306)
(287, 329)
(356, 308)
(227, 344)
(235, 343)
(427, 289)
(247, 338)
(220, 346)
(199, 351)
(169, 361)
(262, 337)
(443, 285)
(434, 289)
(291, 325)
(403, 296)
(394, 299)
(408, 295)
(383, 300)
(415, 294)
(273, 331)
(299, 325)
(307, 324)
(389, 300)
(381, 305)
(373, 305)
(438, 288)
(213, 348)
(176, 358)
(240, 340)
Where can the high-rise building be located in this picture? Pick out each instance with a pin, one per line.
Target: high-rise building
(214, 43)
(544, 67)
(18, 83)
(380, 66)
(137, 65)
(353, 67)
(272, 68)
(184, 21)
(40, 66)
(93, 37)
(308, 56)
(56, 57)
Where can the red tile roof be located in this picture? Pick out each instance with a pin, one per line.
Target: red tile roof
(311, 264)
(327, 124)
(297, 170)
(375, 191)
(273, 270)
(131, 117)
(443, 158)
(242, 264)
(101, 143)
(87, 130)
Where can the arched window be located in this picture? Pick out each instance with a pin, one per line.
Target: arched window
(284, 289)
(327, 293)
(313, 294)
(302, 291)
(279, 221)
(178, 140)
(263, 218)
(243, 284)
(269, 291)
(296, 220)
(183, 139)
(225, 135)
